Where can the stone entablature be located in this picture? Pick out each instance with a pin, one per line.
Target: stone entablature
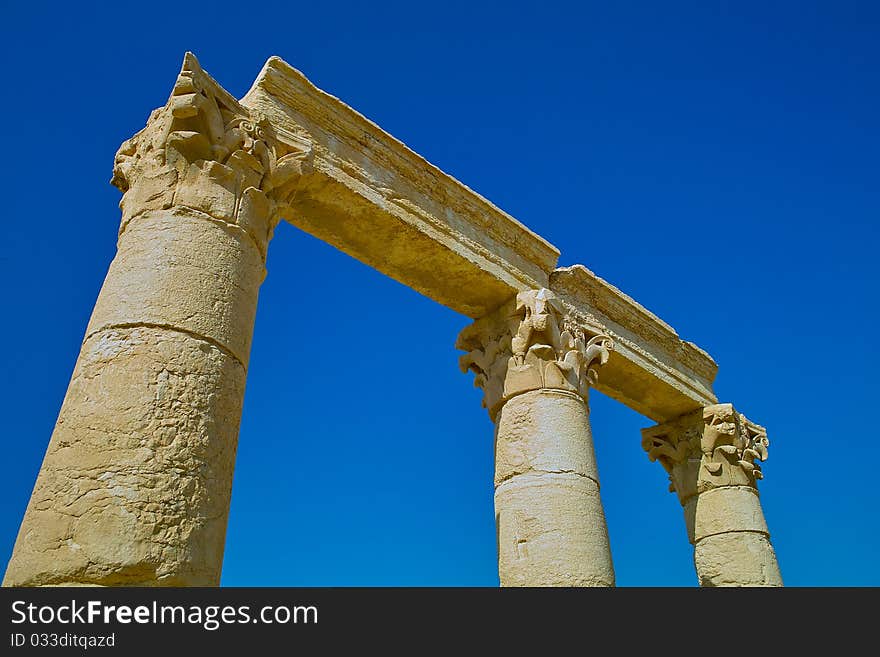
(377, 200)
(652, 370)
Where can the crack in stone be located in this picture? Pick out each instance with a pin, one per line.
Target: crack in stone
(167, 327)
(544, 472)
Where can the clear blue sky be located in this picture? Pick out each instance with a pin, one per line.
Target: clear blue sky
(716, 161)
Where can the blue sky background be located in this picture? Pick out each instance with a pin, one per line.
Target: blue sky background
(716, 161)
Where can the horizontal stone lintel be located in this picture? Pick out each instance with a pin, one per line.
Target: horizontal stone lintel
(651, 369)
(372, 197)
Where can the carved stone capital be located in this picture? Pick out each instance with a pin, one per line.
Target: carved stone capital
(712, 447)
(204, 151)
(534, 342)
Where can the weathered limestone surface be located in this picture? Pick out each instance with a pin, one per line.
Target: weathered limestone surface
(135, 485)
(550, 521)
(179, 270)
(375, 199)
(372, 197)
(535, 362)
(652, 370)
(712, 456)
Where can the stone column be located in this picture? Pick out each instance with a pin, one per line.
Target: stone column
(712, 457)
(535, 360)
(135, 485)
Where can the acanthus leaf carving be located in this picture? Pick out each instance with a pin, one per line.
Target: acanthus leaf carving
(205, 151)
(732, 448)
(710, 448)
(677, 449)
(536, 342)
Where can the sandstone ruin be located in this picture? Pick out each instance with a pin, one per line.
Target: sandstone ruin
(135, 485)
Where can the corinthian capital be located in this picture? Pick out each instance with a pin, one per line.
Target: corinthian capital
(204, 151)
(712, 447)
(535, 342)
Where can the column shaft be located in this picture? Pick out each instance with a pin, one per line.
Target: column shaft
(712, 457)
(730, 537)
(550, 522)
(135, 485)
(535, 359)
